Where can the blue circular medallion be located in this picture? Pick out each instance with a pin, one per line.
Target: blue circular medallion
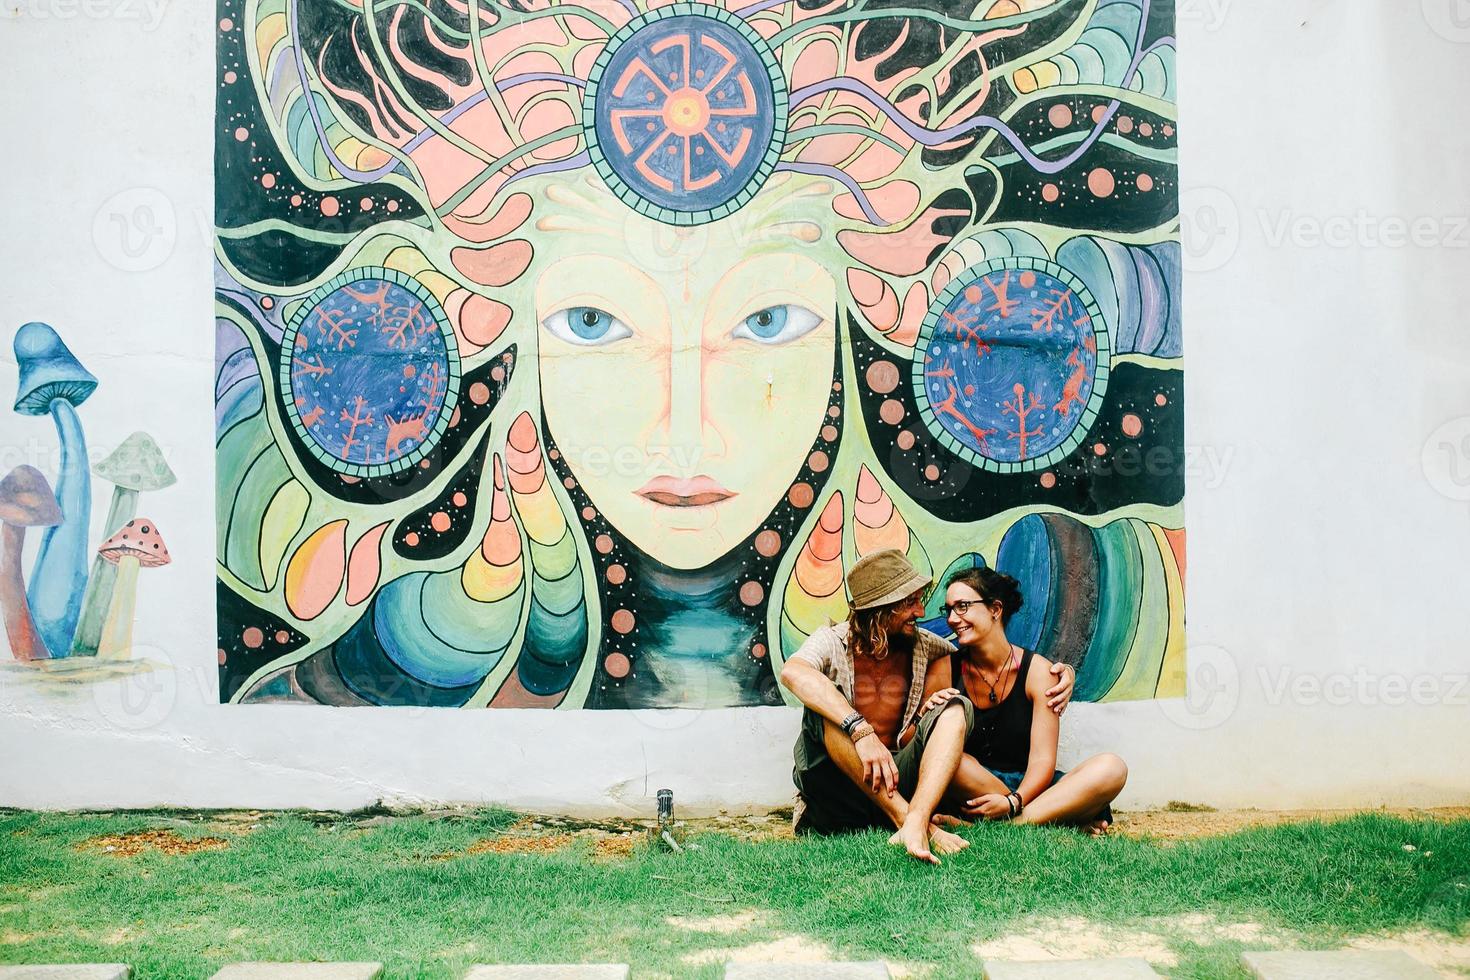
(685, 113)
(369, 372)
(1011, 364)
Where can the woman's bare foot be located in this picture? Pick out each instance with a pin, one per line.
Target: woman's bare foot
(949, 820)
(943, 842)
(1098, 828)
(914, 837)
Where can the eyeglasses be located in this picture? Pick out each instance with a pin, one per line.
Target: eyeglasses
(961, 607)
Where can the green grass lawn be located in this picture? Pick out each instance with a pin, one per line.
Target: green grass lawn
(406, 893)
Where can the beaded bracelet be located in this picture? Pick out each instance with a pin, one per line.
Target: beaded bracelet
(861, 731)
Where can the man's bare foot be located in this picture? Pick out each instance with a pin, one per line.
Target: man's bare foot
(913, 836)
(943, 842)
(1098, 828)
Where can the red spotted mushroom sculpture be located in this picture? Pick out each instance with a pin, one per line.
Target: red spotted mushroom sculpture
(26, 501)
(137, 544)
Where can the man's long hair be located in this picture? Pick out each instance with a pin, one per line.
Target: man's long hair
(874, 632)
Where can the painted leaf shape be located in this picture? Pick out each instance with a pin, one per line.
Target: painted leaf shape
(365, 564)
(814, 594)
(314, 574)
(283, 518)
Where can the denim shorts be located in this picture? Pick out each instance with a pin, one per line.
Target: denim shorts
(1013, 779)
(1013, 782)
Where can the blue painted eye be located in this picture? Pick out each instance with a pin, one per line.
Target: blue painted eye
(588, 322)
(777, 324)
(586, 326)
(768, 322)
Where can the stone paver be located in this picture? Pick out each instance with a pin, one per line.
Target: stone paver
(300, 971)
(1115, 968)
(806, 971)
(69, 971)
(551, 971)
(1339, 964)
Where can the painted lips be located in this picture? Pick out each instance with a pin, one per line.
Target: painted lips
(699, 491)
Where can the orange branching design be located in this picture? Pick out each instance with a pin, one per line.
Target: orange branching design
(1004, 305)
(311, 369)
(1021, 408)
(356, 419)
(947, 407)
(1046, 319)
(331, 326)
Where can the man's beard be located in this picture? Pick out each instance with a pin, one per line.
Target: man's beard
(902, 642)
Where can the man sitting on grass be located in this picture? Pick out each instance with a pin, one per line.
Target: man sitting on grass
(863, 758)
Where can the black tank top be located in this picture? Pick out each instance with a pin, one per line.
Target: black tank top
(1001, 739)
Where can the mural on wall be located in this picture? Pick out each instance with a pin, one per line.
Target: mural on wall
(568, 353)
(71, 619)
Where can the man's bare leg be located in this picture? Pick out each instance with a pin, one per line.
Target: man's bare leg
(844, 754)
(971, 779)
(936, 770)
(1081, 792)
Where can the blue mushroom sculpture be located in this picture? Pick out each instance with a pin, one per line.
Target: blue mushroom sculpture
(53, 382)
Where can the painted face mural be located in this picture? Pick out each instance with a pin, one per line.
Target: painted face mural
(711, 374)
(568, 354)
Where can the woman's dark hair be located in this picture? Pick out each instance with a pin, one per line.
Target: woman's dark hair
(993, 586)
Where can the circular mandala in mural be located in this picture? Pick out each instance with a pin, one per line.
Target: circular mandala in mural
(369, 372)
(685, 113)
(1011, 364)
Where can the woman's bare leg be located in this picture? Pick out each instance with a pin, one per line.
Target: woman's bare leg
(972, 779)
(1080, 793)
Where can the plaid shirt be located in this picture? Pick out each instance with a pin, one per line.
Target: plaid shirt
(827, 650)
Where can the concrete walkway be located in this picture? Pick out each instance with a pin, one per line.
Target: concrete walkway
(557, 971)
(1339, 964)
(72, 971)
(806, 971)
(1118, 968)
(300, 971)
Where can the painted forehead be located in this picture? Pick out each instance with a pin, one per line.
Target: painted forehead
(789, 210)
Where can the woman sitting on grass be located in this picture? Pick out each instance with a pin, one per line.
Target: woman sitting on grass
(1008, 771)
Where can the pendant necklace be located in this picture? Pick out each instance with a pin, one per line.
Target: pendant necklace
(998, 674)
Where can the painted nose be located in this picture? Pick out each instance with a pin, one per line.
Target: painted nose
(687, 429)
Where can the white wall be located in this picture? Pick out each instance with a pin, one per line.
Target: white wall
(1328, 408)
